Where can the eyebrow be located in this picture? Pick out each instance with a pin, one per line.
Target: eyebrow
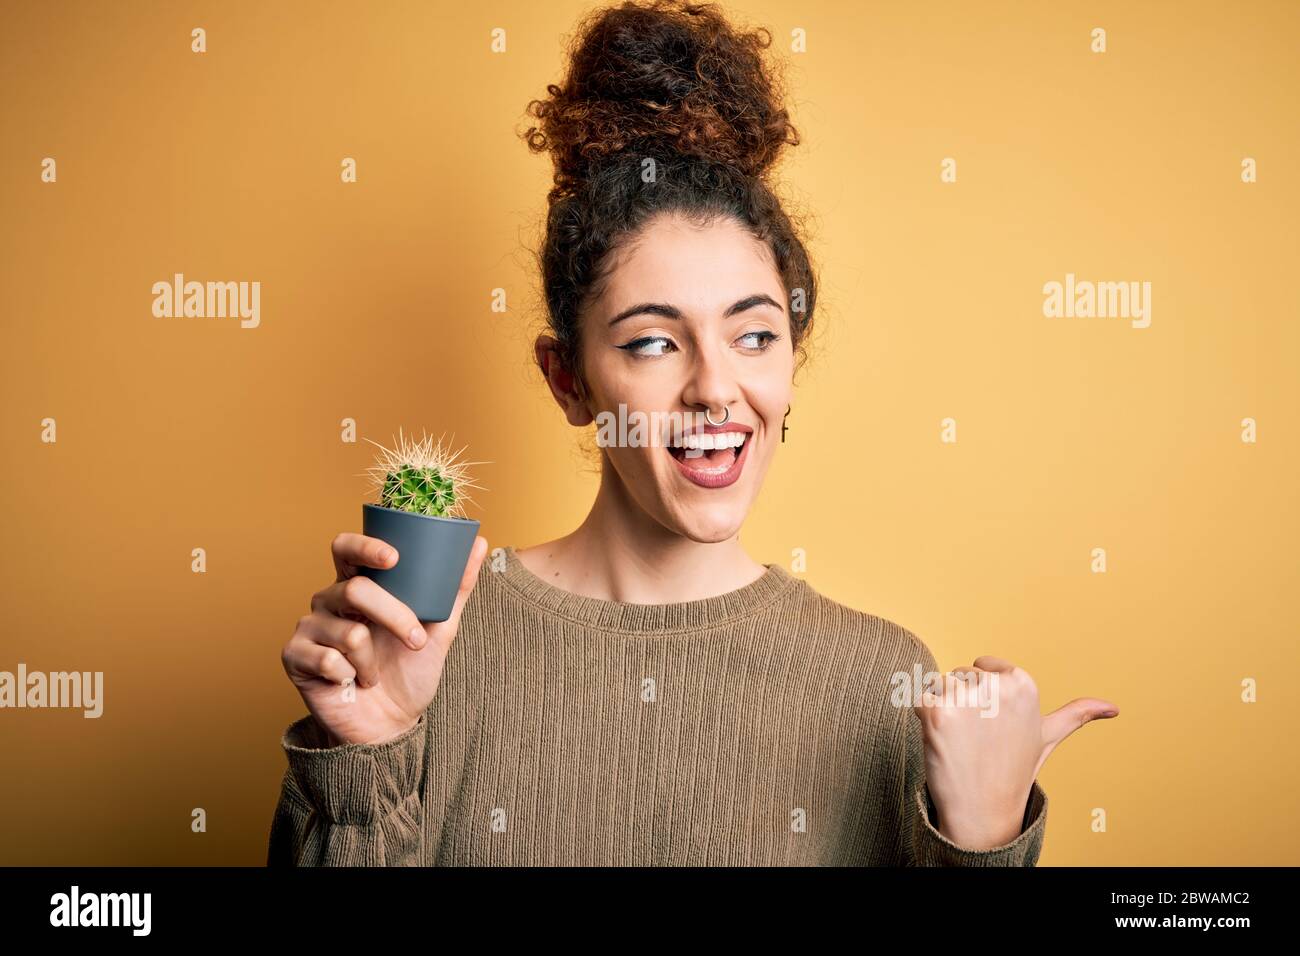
(672, 312)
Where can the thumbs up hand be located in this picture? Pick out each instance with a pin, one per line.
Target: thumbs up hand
(985, 741)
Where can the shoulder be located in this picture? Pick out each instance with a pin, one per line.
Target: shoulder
(879, 666)
(889, 644)
(488, 585)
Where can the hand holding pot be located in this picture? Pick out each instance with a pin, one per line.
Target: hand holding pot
(358, 632)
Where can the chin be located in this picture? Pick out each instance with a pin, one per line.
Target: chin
(709, 526)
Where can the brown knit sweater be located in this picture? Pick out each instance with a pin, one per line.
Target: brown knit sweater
(753, 728)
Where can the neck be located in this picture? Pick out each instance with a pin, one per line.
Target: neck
(620, 553)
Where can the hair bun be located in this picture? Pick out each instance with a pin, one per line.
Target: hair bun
(664, 74)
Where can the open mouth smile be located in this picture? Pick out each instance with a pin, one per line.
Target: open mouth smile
(712, 457)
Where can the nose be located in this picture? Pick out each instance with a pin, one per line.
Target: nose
(712, 384)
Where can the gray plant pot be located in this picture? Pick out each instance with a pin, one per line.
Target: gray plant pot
(431, 558)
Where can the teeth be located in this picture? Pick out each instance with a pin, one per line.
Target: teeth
(709, 442)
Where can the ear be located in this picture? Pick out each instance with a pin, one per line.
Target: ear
(565, 386)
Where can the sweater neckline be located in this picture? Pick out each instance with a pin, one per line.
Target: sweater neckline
(659, 618)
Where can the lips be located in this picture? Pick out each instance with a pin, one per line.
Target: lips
(713, 456)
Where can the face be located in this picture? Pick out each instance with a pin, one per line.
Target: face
(690, 319)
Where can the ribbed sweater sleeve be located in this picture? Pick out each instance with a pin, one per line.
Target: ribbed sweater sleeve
(350, 805)
(929, 847)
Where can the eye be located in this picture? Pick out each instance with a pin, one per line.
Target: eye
(650, 346)
(757, 341)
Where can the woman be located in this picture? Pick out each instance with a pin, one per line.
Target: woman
(641, 691)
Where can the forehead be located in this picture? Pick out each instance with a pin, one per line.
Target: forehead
(696, 268)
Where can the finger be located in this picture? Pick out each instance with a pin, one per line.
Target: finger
(961, 687)
(977, 681)
(990, 663)
(304, 658)
(971, 675)
(943, 692)
(361, 595)
(353, 638)
(445, 630)
(1068, 718)
(352, 551)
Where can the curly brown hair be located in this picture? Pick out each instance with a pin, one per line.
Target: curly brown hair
(669, 86)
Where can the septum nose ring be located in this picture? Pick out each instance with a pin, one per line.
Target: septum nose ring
(709, 418)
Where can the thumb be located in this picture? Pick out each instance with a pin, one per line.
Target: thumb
(1068, 718)
(476, 555)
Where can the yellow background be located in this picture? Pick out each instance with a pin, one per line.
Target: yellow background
(1072, 434)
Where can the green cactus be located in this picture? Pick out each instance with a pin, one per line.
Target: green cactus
(422, 490)
(422, 478)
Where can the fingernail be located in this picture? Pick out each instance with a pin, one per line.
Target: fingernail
(1110, 713)
(387, 555)
(417, 637)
